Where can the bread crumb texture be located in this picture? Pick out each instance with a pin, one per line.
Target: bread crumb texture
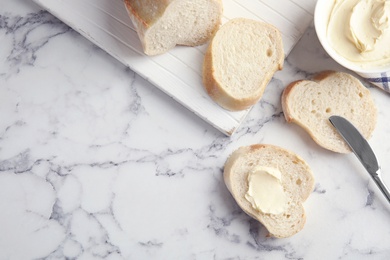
(161, 25)
(297, 181)
(240, 61)
(310, 103)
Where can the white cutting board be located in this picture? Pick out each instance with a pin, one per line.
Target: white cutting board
(178, 72)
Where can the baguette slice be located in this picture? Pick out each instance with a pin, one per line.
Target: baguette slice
(240, 61)
(310, 103)
(297, 181)
(163, 24)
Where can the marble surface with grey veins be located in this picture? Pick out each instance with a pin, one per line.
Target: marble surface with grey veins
(97, 163)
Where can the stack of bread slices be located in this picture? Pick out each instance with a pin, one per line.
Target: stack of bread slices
(242, 56)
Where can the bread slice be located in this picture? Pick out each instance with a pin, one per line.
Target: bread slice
(240, 61)
(163, 24)
(310, 103)
(297, 181)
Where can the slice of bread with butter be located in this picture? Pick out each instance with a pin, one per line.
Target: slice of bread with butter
(270, 183)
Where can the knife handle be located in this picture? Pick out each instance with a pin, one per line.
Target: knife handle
(381, 185)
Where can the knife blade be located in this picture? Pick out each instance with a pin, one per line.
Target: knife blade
(361, 148)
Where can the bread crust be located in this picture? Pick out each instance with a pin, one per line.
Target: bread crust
(285, 96)
(217, 92)
(214, 85)
(144, 14)
(357, 106)
(297, 181)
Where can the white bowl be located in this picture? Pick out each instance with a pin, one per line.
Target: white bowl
(377, 76)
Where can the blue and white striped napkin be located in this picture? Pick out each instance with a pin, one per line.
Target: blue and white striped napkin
(381, 80)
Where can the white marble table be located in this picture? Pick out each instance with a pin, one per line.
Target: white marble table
(96, 163)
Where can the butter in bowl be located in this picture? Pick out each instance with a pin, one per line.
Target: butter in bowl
(356, 34)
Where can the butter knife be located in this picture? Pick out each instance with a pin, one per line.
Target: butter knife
(362, 150)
